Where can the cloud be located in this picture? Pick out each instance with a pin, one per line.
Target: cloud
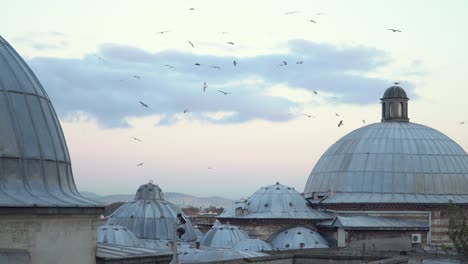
(107, 90)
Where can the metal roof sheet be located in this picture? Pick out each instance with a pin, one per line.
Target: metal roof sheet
(200, 256)
(35, 166)
(106, 251)
(392, 162)
(14, 256)
(374, 222)
(117, 235)
(254, 245)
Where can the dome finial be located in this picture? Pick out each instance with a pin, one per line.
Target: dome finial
(396, 83)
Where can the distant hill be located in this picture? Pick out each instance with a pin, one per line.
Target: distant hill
(179, 199)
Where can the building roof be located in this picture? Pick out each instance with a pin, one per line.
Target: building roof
(36, 167)
(254, 245)
(14, 256)
(200, 256)
(117, 235)
(150, 217)
(114, 252)
(364, 222)
(223, 236)
(391, 162)
(394, 92)
(297, 238)
(276, 201)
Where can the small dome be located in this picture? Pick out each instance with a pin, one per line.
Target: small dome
(35, 164)
(117, 235)
(199, 233)
(223, 236)
(151, 217)
(199, 256)
(274, 202)
(297, 238)
(394, 92)
(253, 245)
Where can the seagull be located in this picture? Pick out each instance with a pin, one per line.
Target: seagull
(143, 104)
(229, 42)
(462, 123)
(300, 62)
(95, 55)
(290, 13)
(191, 8)
(136, 139)
(394, 30)
(340, 123)
(315, 92)
(186, 111)
(337, 114)
(225, 93)
(162, 32)
(284, 63)
(313, 21)
(140, 164)
(318, 14)
(136, 76)
(197, 64)
(396, 83)
(309, 116)
(204, 86)
(234, 62)
(364, 121)
(170, 66)
(223, 32)
(214, 66)
(190, 42)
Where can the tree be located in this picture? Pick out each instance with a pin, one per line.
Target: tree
(458, 229)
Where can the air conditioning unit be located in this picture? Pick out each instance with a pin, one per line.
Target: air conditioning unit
(416, 238)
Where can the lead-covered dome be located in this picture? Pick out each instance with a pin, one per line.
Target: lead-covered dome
(117, 235)
(223, 236)
(391, 162)
(395, 91)
(274, 202)
(149, 216)
(297, 238)
(35, 164)
(253, 245)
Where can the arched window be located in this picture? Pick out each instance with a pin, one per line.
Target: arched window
(383, 110)
(400, 110)
(391, 110)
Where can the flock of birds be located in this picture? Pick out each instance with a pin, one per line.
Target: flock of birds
(235, 64)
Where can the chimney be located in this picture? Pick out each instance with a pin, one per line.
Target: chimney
(197, 245)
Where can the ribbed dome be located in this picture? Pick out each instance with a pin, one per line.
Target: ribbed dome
(117, 235)
(223, 236)
(391, 162)
(298, 237)
(253, 245)
(35, 165)
(395, 92)
(273, 202)
(150, 217)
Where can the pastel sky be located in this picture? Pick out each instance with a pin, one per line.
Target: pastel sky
(98, 59)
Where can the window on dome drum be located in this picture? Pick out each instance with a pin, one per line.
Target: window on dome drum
(383, 110)
(391, 110)
(400, 110)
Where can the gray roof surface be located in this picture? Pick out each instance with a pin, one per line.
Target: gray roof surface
(117, 235)
(292, 238)
(200, 256)
(106, 251)
(223, 236)
(254, 245)
(34, 160)
(14, 256)
(374, 222)
(151, 218)
(274, 202)
(392, 162)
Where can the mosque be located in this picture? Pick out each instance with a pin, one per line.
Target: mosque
(384, 186)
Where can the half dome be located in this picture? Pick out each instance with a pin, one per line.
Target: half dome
(150, 217)
(34, 160)
(391, 162)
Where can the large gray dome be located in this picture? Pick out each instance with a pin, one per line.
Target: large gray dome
(391, 162)
(35, 168)
(149, 216)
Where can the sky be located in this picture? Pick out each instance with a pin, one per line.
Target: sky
(98, 59)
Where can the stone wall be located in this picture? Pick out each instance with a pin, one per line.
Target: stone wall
(51, 238)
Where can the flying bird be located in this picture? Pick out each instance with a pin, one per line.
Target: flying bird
(290, 12)
(313, 21)
(190, 42)
(223, 32)
(315, 92)
(204, 86)
(162, 32)
(229, 42)
(318, 14)
(197, 64)
(140, 164)
(340, 123)
(462, 123)
(169, 66)
(191, 8)
(95, 55)
(137, 77)
(136, 139)
(364, 121)
(214, 66)
(284, 63)
(300, 62)
(337, 114)
(143, 104)
(234, 62)
(396, 83)
(394, 30)
(225, 93)
(186, 111)
(309, 116)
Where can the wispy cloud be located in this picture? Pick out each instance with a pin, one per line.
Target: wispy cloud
(109, 87)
